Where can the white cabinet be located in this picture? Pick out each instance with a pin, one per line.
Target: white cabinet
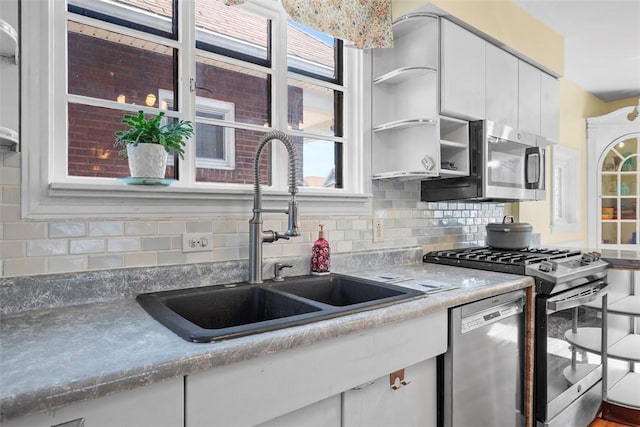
(454, 147)
(622, 378)
(528, 98)
(462, 73)
(502, 86)
(623, 336)
(549, 107)
(273, 388)
(404, 101)
(390, 401)
(326, 413)
(155, 405)
(9, 58)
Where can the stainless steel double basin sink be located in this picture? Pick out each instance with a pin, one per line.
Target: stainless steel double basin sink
(213, 313)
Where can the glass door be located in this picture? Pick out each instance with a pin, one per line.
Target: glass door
(619, 183)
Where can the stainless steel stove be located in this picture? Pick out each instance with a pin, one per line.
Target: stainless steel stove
(554, 270)
(570, 289)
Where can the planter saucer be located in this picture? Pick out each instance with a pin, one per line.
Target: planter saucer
(137, 180)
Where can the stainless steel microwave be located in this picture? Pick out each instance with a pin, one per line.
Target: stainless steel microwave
(505, 164)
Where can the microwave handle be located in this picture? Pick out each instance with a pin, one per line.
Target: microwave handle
(534, 168)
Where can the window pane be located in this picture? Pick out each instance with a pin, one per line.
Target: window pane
(154, 16)
(311, 52)
(91, 137)
(319, 163)
(209, 141)
(107, 65)
(312, 108)
(243, 93)
(244, 144)
(232, 31)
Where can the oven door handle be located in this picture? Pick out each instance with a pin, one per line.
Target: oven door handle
(534, 168)
(598, 289)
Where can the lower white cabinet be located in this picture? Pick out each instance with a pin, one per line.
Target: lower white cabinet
(411, 401)
(156, 405)
(326, 413)
(343, 381)
(278, 389)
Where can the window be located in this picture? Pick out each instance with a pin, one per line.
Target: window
(565, 187)
(619, 183)
(231, 73)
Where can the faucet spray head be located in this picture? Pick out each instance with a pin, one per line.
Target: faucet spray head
(292, 228)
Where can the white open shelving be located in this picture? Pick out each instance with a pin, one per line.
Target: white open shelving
(623, 345)
(404, 101)
(9, 50)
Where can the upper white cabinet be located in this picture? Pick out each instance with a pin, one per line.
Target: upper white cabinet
(479, 80)
(462, 74)
(404, 101)
(528, 98)
(502, 86)
(549, 107)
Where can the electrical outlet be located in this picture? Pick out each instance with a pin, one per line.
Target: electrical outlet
(197, 242)
(378, 230)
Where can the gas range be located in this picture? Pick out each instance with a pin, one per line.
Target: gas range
(554, 270)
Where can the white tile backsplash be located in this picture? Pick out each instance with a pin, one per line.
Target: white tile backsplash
(39, 247)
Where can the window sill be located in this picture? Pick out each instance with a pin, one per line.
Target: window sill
(71, 200)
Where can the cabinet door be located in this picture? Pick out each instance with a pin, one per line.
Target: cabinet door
(378, 404)
(528, 98)
(156, 405)
(549, 107)
(325, 413)
(462, 73)
(502, 86)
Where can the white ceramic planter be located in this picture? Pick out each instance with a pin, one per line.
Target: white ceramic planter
(147, 160)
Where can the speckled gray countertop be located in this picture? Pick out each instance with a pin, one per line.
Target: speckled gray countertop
(625, 260)
(52, 357)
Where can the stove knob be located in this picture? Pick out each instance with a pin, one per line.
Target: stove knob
(587, 258)
(546, 266)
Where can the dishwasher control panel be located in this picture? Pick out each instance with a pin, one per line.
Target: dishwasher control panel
(491, 315)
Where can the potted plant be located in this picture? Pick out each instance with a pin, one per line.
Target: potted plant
(147, 142)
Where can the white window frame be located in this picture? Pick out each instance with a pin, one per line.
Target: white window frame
(208, 105)
(47, 191)
(564, 194)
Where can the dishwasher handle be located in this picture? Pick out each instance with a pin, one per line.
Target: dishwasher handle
(491, 315)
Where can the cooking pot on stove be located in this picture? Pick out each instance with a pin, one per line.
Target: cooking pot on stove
(509, 234)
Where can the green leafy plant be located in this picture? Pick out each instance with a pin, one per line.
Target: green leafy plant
(171, 136)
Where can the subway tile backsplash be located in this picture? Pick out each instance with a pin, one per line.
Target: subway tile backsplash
(41, 247)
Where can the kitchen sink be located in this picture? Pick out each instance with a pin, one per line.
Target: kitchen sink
(341, 291)
(213, 313)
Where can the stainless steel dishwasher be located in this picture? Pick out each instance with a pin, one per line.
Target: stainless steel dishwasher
(481, 376)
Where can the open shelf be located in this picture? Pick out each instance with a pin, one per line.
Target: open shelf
(402, 75)
(409, 23)
(8, 139)
(405, 123)
(404, 175)
(625, 392)
(9, 42)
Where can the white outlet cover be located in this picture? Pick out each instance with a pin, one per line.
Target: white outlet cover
(197, 242)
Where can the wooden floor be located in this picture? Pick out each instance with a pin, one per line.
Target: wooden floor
(624, 417)
(605, 423)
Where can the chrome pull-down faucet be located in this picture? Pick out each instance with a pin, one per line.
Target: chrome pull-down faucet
(256, 235)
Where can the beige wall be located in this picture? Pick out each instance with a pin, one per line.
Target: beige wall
(504, 21)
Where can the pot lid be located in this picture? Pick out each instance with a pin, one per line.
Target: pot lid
(508, 224)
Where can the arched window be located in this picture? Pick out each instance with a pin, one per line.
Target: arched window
(613, 201)
(619, 193)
